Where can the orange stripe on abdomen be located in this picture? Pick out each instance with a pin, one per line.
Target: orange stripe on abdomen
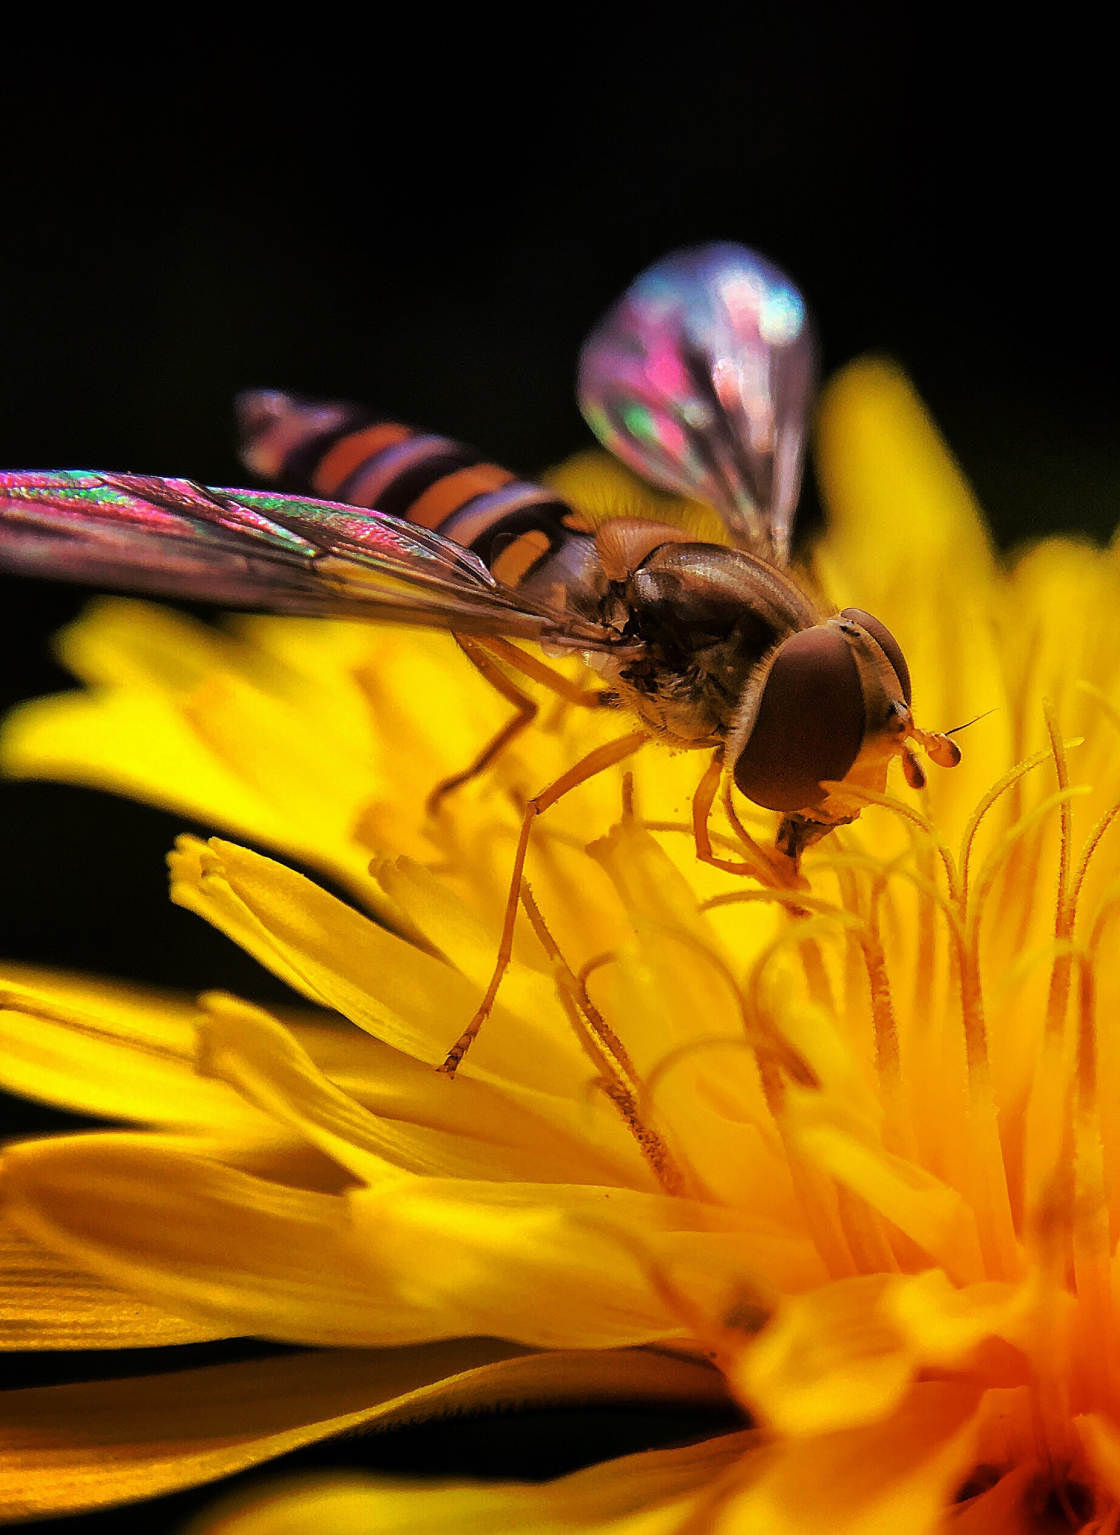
(514, 562)
(454, 490)
(351, 451)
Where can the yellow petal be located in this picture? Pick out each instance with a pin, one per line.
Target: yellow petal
(100, 1048)
(340, 959)
(402, 996)
(894, 491)
(268, 1066)
(47, 1304)
(1048, 581)
(827, 1360)
(891, 1476)
(465, 931)
(899, 508)
(412, 1260)
(473, 1130)
(1007, 1508)
(132, 743)
(848, 1353)
(655, 1493)
(318, 945)
(202, 1239)
(128, 642)
(556, 1266)
(932, 1214)
(67, 1448)
(184, 716)
(1100, 1434)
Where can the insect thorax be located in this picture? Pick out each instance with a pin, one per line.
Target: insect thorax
(707, 616)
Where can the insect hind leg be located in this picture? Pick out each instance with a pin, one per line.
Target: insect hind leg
(484, 655)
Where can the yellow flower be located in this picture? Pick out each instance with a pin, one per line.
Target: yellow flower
(847, 1162)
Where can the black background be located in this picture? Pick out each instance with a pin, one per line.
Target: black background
(430, 219)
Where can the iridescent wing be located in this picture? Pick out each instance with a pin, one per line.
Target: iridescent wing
(261, 550)
(701, 379)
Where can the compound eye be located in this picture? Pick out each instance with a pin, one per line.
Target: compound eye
(809, 725)
(887, 643)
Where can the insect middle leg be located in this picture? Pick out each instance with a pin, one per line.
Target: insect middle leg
(484, 656)
(597, 761)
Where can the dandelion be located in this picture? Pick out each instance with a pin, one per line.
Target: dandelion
(842, 1156)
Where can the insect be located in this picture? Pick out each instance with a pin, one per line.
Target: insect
(701, 379)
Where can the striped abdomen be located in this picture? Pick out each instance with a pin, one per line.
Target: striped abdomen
(340, 452)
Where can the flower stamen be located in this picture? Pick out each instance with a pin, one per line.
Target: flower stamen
(607, 1050)
(907, 813)
(620, 1081)
(1091, 844)
(990, 797)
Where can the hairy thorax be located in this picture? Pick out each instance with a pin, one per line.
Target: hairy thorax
(706, 617)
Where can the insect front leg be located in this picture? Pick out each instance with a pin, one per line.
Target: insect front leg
(603, 757)
(768, 866)
(483, 654)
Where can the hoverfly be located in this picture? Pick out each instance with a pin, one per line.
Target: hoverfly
(700, 379)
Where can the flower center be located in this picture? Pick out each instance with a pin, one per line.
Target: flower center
(923, 1026)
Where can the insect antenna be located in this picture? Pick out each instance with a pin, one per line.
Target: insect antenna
(975, 718)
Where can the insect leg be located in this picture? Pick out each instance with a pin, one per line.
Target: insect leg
(768, 866)
(597, 761)
(481, 653)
